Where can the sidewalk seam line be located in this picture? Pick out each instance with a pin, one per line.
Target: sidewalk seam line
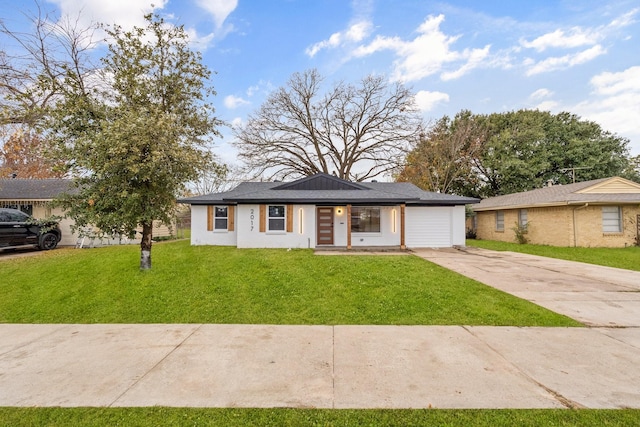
(570, 404)
(155, 365)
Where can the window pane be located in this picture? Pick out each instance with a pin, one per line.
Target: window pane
(365, 220)
(276, 211)
(221, 223)
(276, 224)
(611, 219)
(499, 220)
(221, 211)
(18, 217)
(522, 215)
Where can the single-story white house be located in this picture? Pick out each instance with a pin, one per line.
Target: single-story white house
(323, 211)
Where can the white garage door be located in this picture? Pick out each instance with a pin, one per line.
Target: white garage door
(429, 227)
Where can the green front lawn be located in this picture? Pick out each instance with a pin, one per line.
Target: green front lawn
(206, 284)
(627, 258)
(313, 417)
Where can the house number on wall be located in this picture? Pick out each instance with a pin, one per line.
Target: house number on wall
(252, 217)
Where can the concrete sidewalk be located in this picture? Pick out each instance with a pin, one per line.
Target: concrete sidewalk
(592, 294)
(318, 366)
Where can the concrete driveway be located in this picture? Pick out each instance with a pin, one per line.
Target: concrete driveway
(591, 294)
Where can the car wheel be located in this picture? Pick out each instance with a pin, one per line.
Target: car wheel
(48, 241)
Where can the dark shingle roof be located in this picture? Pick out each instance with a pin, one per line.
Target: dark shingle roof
(557, 195)
(33, 189)
(329, 191)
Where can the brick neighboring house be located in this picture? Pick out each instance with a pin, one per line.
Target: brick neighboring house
(34, 196)
(599, 213)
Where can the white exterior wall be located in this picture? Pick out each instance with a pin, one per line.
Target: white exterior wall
(459, 226)
(249, 235)
(389, 234)
(434, 226)
(201, 236)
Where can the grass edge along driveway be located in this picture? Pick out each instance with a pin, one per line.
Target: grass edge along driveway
(208, 284)
(625, 258)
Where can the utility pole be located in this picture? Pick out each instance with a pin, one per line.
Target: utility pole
(573, 171)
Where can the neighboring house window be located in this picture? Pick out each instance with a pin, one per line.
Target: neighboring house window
(611, 219)
(365, 219)
(221, 219)
(500, 221)
(522, 217)
(276, 218)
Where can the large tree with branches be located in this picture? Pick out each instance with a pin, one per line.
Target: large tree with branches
(353, 131)
(137, 134)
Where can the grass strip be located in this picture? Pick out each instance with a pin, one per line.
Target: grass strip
(155, 416)
(207, 284)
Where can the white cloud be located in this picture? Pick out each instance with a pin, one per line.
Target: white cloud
(237, 122)
(126, 13)
(219, 9)
(426, 100)
(576, 37)
(354, 34)
(562, 62)
(624, 20)
(427, 54)
(475, 58)
(616, 83)
(547, 106)
(232, 102)
(615, 104)
(541, 94)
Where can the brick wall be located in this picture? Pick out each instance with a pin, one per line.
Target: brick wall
(555, 226)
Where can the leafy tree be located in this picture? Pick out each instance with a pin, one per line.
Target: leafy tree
(138, 134)
(442, 161)
(354, 131)
(514, 151)
(528, 148)
(24, 154)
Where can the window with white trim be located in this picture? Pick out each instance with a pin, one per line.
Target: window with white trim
(522, 217)
(276, 216)
(612, 219)
(499, 220)
(365, 219)
(221, 218)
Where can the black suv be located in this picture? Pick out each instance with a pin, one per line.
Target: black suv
(19, 229)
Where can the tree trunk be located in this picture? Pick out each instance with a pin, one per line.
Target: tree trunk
(145, 246)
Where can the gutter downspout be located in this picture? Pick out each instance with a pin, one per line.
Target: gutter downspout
(575, 232)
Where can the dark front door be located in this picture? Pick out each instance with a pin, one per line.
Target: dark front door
(324, 220)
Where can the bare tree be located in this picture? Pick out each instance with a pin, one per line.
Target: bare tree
(34, 64)
(446, 155)
(354, 132)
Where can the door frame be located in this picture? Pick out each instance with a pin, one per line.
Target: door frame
(318, 242)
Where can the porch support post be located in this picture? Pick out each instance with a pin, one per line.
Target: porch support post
(402, 243)
(348, 226)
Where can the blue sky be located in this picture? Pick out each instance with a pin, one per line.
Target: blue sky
(581, 56)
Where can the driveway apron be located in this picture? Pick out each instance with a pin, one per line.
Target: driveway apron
(591, 294)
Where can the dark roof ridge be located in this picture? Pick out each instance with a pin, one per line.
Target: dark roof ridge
(299, 183)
